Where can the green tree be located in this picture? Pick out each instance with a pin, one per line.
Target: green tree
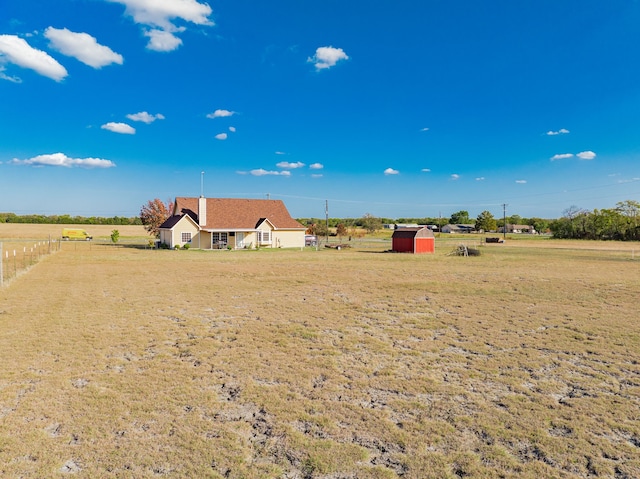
(460, 218)
(115, 236)
(154, 213)
(486, 222)
(514, 220)
(630, 209)
(371, 223)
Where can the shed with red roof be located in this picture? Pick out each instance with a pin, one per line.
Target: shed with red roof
(413, 240)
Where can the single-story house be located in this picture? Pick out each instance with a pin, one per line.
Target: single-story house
(458, 228)
(220, 223)
(527, 229)
(413, 240)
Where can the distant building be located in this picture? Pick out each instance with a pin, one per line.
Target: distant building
(524, 229)
(458, 228)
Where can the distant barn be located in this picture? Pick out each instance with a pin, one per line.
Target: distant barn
(413, 240)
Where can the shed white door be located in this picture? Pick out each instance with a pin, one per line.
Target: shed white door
(239, 240)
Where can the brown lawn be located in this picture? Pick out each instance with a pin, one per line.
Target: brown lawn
(523, 362)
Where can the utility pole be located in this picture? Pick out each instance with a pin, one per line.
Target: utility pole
(268, 196)
(326, 215)
(504, 220)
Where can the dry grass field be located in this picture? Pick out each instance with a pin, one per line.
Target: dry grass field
(523, 362)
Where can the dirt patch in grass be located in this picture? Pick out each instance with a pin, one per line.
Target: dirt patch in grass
(521, 362)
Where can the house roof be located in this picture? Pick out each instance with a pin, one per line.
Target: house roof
(238, 213)
(420, 232)
(174, 220)
(464, 227)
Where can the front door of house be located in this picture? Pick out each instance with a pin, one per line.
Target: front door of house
(239, 240)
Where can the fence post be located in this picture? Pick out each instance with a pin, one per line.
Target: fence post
(1, 263)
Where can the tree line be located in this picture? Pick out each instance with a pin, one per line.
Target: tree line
(69, 220)
(619, 223)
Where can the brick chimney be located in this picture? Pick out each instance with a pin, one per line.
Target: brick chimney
(202, 211)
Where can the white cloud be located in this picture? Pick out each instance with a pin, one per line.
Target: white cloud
(561, 131)
(316, 166)
(160, 15)
(280, 153)
(122, 128)
(4, 76)
(426, 170)
(82, 46)
(145, 117)
(455, 176)
(317, 175)
(221, 114)
(15, 50)
(424, 129)
(221, 136)
(60, 159)
(263, 172)
(562, 156)
(391, 171)
(232, 129)
(586, 155)
(162, 41)
(286, 164)
(326, 57)
(521, 182)
(480, 178)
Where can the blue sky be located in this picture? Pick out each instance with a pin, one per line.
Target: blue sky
(399, 108)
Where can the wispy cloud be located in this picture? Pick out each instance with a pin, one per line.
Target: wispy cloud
(632, 180)
(121, 128)
(586, 155)
(160, 17)
(60, 159)
(17, 51)
(263, 172)
(521, 182)
(424, 129)
(426, 170)
(455, 177)
(221, 114)
(82, 46)
(316, 166)
(561, 131)
(221, 136)
(561, 156)
(480, 178)
(232, 129)
(145, 117)
(280, 153)
(317, 175)
(391, 171)
(583, 155)
(327, 57)
(286, 164)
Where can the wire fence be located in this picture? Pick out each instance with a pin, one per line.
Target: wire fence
(18, 255)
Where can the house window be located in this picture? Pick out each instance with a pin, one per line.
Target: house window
(264, 237)
(186, 237)
(219, 239)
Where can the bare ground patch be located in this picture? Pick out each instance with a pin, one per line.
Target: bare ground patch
(134, 363)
